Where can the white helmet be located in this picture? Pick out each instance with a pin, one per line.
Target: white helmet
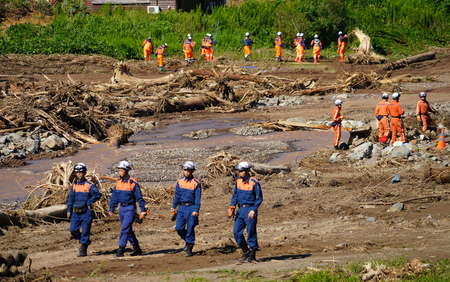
(80, 167)
(338, 102)
(208, 34)
(189, 35)
(188, 165)
(301, 34)
(423, 94)
(247, 34)
(124, 165)
(384, 96)
(298, 34)
(149, 38)
(316, 36)
(243, 166)
(165, 44)
(340, 33)
(395, 96)
(279, 33)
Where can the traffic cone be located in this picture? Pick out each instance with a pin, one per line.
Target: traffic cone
(441, 143)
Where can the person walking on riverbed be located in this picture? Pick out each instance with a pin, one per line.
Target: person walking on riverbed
(79, 207)
(382, 113)
(248, 196)
(126, 193)
(396, 111)
(188, 193)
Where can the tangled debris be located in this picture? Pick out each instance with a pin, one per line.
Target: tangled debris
(365, 54)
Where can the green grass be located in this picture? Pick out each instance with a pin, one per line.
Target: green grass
(396, 27)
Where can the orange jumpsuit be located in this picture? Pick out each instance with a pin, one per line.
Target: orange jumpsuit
(317, 46)
(187, 49)
(148, 48)
(207, 49)
(383, 124)
(160, 53)
(395, 110)
(300, 48)
(278, 45)
(422, 112)
(337, 128)
(342, 42)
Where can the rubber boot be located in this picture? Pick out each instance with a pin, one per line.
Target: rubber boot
(136, 250)
(189, 247)
(185, 246)
(83, 251)
(186, 63)
(120, 252)
(251, 256)
(245, 252)
(278, 59)
(336, 147)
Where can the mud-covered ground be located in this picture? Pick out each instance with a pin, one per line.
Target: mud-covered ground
(316, 214)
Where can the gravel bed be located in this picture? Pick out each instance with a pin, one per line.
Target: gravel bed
(165, 165)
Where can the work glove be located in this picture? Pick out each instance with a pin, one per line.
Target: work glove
(164, 54)
(69, 214)
(320, 48)
(282, 45)
(341, 117)
(418, 118)
(156, 56)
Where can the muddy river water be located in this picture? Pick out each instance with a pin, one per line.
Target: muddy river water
(100, 157)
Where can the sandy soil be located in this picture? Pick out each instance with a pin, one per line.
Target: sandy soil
(305, 215)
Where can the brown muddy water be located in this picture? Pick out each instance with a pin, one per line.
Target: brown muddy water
(101, 157)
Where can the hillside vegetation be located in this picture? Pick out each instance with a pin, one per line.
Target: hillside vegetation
(397, 27)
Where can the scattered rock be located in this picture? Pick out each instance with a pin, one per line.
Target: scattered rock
(396, 207)
(334, 157)
(400, 151)
(200, 134)
(149, 125)
(250, 130)
(3, 140)
(54, 142)
(33, 145)
(371, 219)
(362, 151)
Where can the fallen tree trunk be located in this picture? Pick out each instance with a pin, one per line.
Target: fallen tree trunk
(440, 175)
(267, 169)
(409, 60)
(230, 76)
(319, 90)
(50, 214)
(122, 75)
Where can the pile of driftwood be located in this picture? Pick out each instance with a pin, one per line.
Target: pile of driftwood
(85, 113)
(365, 54)
(224, 164)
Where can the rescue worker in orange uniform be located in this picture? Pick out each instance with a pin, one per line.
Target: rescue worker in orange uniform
(247, 43)
(159, 54)
(299, 44)
(187, 49)
(336, 124)
(248, 197)
(317, 47)
(422, 111)
(278, 46)
(126, 193)
(204, 40)
(396, 111)
(382, 113)
(148, 48)
(79, 206)
(188, 193)
(342, 42)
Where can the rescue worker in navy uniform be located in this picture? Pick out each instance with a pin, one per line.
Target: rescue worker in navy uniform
(79, 206)
(188, 193)
(126, 192)
(248, 195)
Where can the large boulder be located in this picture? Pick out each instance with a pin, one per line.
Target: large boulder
(32, 145)
(54, 142)
(362, 151)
